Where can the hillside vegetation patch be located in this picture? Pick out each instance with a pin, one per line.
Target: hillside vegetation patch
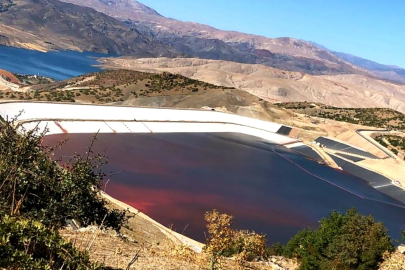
(38, 197)
(373, 117)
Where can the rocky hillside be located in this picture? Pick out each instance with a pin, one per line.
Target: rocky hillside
(51, 24)
(276, 85)
(203, 41)
(392, 73)
(127, 27)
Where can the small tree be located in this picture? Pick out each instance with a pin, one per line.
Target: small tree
(251, 245)
(33, 185)
(219, 237)
(342, 242)
(224, 241)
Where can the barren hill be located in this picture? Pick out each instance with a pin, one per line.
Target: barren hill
(51, 24)
(127, 27)
(277, 85)
(126, 87)
(203, 41)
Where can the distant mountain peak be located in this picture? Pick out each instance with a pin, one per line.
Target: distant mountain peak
(319, 46)
(137, 6)
(128, 8)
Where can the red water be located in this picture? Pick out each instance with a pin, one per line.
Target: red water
(175, 178)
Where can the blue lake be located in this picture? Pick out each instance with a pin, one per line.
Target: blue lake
(59, 65)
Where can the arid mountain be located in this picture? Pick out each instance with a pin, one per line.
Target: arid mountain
(204, 41)
(350, 90)
(51, 24)
(392, 73)
(127, 27)
(384, 71)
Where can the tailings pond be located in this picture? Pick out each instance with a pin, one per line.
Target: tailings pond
(175, 178)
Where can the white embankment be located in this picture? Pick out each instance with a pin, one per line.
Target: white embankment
(71, 118)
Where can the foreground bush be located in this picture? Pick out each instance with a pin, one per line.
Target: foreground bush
(37, 197)
(224, 241)
(33, 185)
(345, 242)
(27, 244)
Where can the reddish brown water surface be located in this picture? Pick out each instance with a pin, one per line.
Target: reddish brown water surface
(175, 178)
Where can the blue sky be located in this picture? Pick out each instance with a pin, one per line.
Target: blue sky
(370, 29)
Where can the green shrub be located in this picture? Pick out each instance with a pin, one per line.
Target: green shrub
(27, 244)
(33, 185)
(277, 249)
(342, 242)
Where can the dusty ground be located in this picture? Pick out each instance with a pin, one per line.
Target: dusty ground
(110, 250)
(144, 237)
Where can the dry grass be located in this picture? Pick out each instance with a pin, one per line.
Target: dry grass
(114, 252)
(117, 252)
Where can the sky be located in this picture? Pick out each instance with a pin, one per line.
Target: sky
(371, 29)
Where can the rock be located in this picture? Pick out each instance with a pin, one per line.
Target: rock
(72, 224)
(401, 249)
(89, 229)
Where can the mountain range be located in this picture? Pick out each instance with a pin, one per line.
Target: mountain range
(273, 69)
(127, 27)
(203, 41)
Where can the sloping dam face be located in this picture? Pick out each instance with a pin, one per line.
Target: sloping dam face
(176, 177)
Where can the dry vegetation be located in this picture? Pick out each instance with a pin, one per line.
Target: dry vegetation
(374, 117)
(142, 246)
(394, 143)
(272, 84)
(113, 86)
(29, 80)
(394, 261)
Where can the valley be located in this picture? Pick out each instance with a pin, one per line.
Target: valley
(133, 140)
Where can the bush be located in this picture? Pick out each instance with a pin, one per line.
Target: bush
(224, 241)
(250, 246)
(34, 186)
(219, 236)
(27, 244)
(277, 249)
(350, 241)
